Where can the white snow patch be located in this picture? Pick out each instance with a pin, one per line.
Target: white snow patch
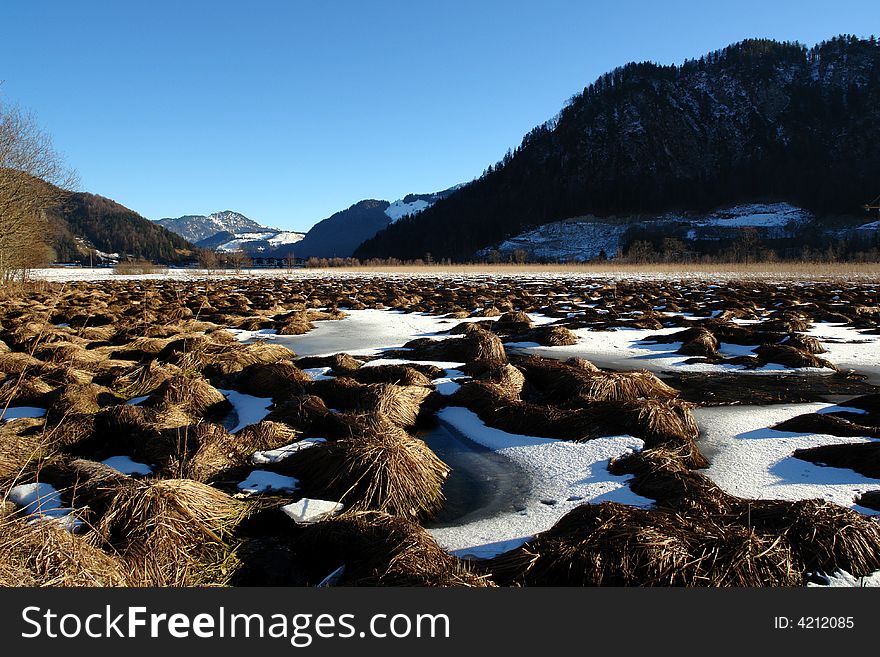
(319, 373)
(563, 475)
(248, 409)
(400, 209)
(41, 501)
(842, 579)
(280, 453)
(751, 460)
(127, 466)
(263, 481)
(307, 510)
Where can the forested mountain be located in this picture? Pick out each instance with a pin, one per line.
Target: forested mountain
(759, 121)
(339, 235)
(82, 222)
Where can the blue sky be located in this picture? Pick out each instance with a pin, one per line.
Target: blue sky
(288, 111)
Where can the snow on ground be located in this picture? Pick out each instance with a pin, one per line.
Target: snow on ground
(368, 332)
(280, 453)
(247, 408)
(263, 481)
(625, 349)
(319, 373)
(563, 475)
(16, 412)
(41, 501)
(847, 347)
(755, 215)
(127, 466)
(307, 510)
(749, 459)
(447, 384)
(243, 335)
(842, 579)
(579, 239)
(243, 239)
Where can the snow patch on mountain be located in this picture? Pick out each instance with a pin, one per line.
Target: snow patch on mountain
(400, 208)
(577, 239)
(416, 203)
(585, 238)
(259, 242)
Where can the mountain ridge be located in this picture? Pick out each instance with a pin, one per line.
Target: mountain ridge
(756, 120)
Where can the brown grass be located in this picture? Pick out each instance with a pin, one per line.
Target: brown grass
(276, 380)
(380, 550)
(384, 469)
(612, 544)
(44, 554)
(173, 532)
(193, 394)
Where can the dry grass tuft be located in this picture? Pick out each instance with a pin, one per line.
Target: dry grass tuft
(191, 393)
(823, 535)
(173, 532)
(45, 554)
(381, 550)
(612, 544)
(277, 380)
(383, 469)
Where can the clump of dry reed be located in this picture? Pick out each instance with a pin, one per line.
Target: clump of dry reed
(173, 532)
(400, 405)
(828, 424)
(22, 442)
(277, 380)
(823, 535)
(401, 375)
(339, 363)
(562, 383)
(611, 544)
(382, 469)
(142, 379)
(475, 345)
(864, 458)
(790, 356)
(193, 394)
(46, 554)
(216, 451)
(378, 549)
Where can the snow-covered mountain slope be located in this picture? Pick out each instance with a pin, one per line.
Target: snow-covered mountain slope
(585, 238)
(577, 239)
(401, 208)
(415, 203)
(261, 242)
(198, 227)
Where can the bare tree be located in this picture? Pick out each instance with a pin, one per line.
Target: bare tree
(28, 161)
(237, 259)
(208, 260)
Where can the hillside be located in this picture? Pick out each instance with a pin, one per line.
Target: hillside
(340, 234)
(759, 121)
(84, 223)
